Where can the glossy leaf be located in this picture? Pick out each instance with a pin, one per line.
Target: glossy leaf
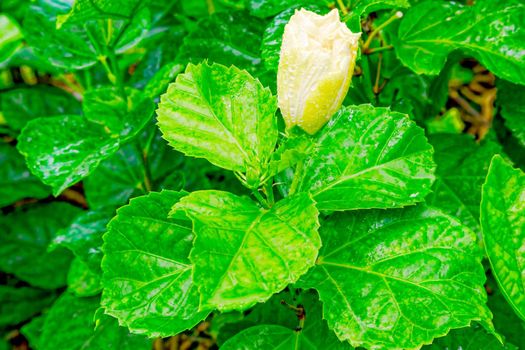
(124, 115)
(368, 157)
(271, 335)
(492, 32)
(397, 279)
(268, 8)
(74, 151)
(83, 44)
(227, 38)
(462, 166)
(510, 98)
(20, 304)
(160, 300)
(503, 226)
(79, 332)
(24, 238)
(220, 114)
(243, 254)
(16, 182)
(84, 237)
(21, 105)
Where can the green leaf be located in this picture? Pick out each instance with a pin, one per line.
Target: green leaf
(21, 105)
(74, 151)
(160, 300)
(84, 10)
(159, 82)
(24, 238)
(20, 304)
(145, 164)
(124, 116)
(83, 44)
(397, 279)
(84, 237)
(243, 254)
(10, 40)
(79, 332)
(271, 335)
(82, 281)
(268, 8)
(232, 38)
(223, 115)
(16, 182)
(368, 157)
(503, 227)
(470, 338)
(462, 166)
(510, 99)
(492, 32)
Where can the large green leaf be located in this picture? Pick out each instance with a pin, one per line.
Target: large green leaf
(84, 237)
(397, 279)
(33, 330)
(492, 32)
(24, 238)
(368, 157)
(232, 38)
(16, 182)
(10, 40)
(462, 166)
(24, 104)
(314, 335)
(81, 44)
(63, 150)
(70, 325)
(148, 283)
(221, 114)
(243, 254)
(510, 99)
(470, 338)
(125, 113)
(19, 304)
(503, 226)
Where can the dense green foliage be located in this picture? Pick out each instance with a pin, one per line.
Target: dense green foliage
(149, 188)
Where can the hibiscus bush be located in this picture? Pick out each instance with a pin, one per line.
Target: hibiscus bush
(262, 174)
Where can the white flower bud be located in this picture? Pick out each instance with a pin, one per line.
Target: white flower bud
(317, 61)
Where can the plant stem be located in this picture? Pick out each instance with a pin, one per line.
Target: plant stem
(378, 74)
(296, 177)
(368, 41)
(378, 49)
(342, 6)
(268, 190)
(260, 198)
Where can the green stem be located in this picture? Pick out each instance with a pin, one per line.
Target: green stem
(378, 49)
(260, 198)
(111, 77)
(368, 41)
(296, 177)
(268, 190)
